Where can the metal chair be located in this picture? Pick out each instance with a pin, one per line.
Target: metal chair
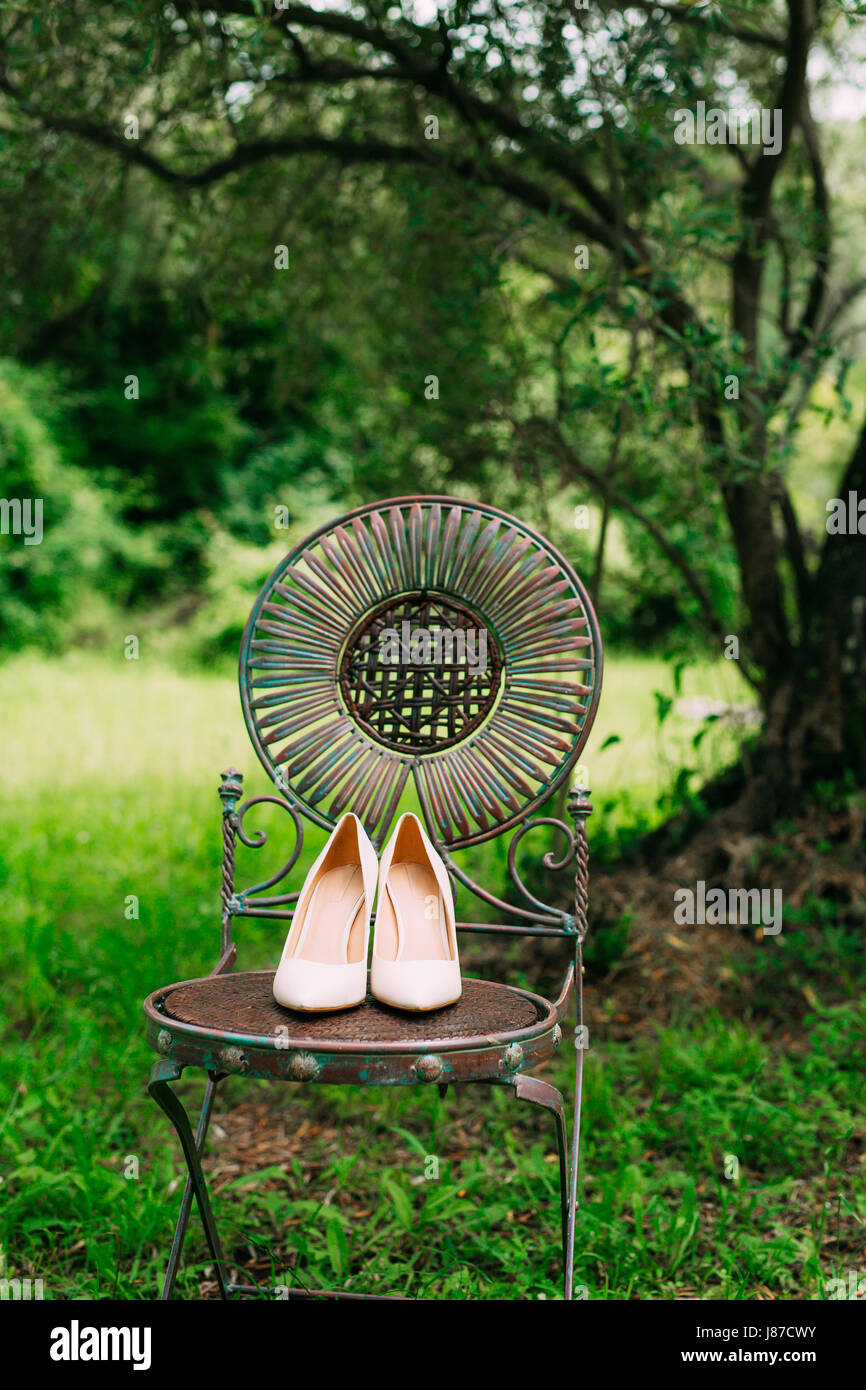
(422, 643)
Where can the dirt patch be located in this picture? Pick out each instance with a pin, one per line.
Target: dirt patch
(670, 968)
(666, 972)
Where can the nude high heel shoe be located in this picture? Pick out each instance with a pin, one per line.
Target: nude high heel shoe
(415, 964)
(324, 962)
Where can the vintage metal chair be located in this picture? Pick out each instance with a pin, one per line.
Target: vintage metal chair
(340, 725)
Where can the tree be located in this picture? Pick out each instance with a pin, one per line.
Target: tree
(701, 290)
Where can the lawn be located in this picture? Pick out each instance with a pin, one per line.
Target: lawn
(110, 795)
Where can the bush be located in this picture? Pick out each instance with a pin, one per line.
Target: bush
(57, 588)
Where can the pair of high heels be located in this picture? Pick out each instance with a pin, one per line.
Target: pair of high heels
(414, 962)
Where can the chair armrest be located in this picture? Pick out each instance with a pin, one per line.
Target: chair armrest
(561, 1003)
(226, 961)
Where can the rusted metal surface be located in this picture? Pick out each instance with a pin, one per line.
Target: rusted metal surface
(338, 729)
(244, 1002)
(537, 1092)
(580, 807)
(427, 698)
(232, 1023)
(165, 1071)
(533, 917)
(230, 790)
(160, 1078)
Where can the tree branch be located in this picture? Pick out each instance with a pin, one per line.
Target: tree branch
(538, 427)
(796, 553)
(821, 202)
(685, 14)
(747, 500)
(368, 151)
(433, 76)
(764, 168)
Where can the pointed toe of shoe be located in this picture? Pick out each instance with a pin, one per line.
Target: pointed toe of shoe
(416, 985)
(312, 987)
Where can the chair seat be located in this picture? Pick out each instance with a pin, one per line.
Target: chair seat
(232, 1023)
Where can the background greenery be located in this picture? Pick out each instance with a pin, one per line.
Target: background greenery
(262, 391)
(121, 799)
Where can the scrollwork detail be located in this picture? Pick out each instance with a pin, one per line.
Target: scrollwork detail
(549, 860)
(259, 838)
(543, 913)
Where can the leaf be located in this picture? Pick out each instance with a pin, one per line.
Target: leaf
(413, 1141)
(664, 705)
(400, 1201)
(681, 782)
(338, 1249)
(611, 738)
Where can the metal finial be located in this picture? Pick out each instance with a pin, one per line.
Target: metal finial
(579, 803)
(231, 789)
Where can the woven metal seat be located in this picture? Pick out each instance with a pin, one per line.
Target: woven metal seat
(424, 651)
(232, 1023)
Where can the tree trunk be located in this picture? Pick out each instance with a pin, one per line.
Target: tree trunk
(816, 715)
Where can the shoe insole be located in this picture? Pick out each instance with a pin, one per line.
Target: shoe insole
(416, 900)
(334, 911)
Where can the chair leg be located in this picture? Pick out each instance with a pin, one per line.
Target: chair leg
(537, 1092)
(575, 1164)
(163, 1073)
(186, 1202)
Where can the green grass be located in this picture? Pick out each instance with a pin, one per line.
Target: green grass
(114, 721)
(110, 792)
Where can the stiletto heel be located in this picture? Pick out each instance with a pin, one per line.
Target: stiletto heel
(324, 962)
(415, 962)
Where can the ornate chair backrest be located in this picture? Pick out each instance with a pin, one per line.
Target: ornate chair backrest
(421, 645)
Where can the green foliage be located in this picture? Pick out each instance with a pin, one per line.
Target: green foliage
(56, 588)
(264, 393)
(355, 1200)
(261, 386)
